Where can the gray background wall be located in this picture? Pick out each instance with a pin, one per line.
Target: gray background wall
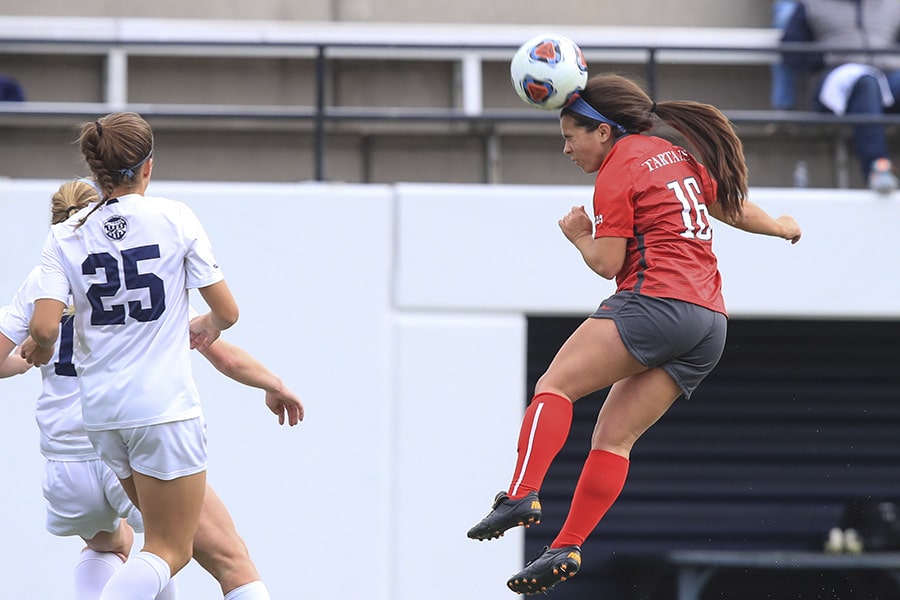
(688, 13)
(366, 152)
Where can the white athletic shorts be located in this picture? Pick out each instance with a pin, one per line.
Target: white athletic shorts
(85, 498)
(165, 451)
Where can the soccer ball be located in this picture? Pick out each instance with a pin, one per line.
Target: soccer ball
(547, 70)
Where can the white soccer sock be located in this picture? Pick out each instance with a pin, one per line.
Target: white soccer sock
(142, 578)
(93, 571)
(170, 592)
(255, 590)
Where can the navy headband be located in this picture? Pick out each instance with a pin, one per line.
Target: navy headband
(578, 105)
(129, 172)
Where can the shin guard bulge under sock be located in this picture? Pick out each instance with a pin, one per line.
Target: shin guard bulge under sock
(170, 592)
(93, 571)
(545, 428)
(141, 578)
(600, 483)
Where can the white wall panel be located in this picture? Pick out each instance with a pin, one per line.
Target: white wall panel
(459, 394)
(398, 314)
(499, 248)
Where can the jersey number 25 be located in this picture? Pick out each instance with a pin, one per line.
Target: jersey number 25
(134, 280)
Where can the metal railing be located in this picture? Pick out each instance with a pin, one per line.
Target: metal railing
(469, 54)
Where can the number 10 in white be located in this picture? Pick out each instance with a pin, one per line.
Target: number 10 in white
(693, 212)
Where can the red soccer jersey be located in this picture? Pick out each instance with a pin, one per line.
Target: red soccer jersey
(655, 194)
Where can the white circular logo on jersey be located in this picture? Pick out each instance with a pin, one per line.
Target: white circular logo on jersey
(115, 227)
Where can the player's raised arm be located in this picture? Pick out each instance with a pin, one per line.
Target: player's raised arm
(238, 364)
(753, 219)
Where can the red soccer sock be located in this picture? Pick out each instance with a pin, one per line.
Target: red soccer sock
(600, 483)
(544, 431)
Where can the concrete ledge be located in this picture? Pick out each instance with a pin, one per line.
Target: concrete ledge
(192, 36)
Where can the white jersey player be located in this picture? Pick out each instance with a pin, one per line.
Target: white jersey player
(128, 262)
(129, 268)
(83, 496)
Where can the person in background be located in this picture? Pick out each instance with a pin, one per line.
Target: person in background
(662, 331)
(784, 77)
(83, 496)
(11, 90)
(861, 82)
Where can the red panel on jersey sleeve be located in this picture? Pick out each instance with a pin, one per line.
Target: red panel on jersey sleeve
(614, 197)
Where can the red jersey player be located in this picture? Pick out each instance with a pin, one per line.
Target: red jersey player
(662, 331)
(659, 208)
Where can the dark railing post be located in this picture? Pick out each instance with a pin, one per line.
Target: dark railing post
(651, 72)
(320, 115)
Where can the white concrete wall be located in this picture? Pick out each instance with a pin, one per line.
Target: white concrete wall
(398, 314)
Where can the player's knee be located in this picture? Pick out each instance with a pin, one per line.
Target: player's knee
(222, 557)
(119, 541)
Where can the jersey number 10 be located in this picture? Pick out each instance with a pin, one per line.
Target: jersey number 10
(693, 212)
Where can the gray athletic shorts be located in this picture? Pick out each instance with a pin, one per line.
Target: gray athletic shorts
(683, 339)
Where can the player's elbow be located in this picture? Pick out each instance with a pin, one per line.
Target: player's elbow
(44, 334)
(44, 325)
(607, 269)
(605, 255)
(226, 316)
(231, 315)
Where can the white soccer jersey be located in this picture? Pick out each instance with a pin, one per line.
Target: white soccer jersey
(129, 268)
(58, 413)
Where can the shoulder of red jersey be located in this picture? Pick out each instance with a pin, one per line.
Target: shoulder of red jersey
(648, 154)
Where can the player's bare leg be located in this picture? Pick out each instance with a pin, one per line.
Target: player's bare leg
(222, 552)
(171, 511)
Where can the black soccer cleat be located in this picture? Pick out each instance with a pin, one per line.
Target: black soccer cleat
(506, 514)
(551, 567)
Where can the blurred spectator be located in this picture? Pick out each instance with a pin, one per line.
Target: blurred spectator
(864, 82)
(784, 77)
(10, 90)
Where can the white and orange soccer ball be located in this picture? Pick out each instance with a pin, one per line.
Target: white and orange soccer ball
(548, 70)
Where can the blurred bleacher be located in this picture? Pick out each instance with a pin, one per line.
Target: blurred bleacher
(371, 102)
(798, 419)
